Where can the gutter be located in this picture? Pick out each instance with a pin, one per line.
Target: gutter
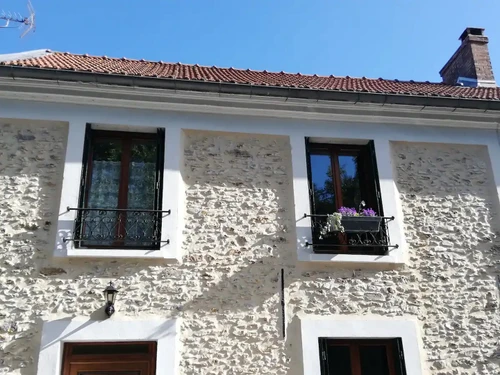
(16, 72)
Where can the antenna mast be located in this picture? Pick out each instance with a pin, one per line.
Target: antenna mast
(26, 23)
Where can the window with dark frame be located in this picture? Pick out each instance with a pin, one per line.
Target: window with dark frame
(121, 188)
(361, 357)
(109, 358)
(344, 175)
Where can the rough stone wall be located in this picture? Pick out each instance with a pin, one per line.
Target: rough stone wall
(238, 236)
(31, 162)
(238, 232)
(451, 223)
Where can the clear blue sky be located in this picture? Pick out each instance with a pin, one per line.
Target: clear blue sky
(404, 39)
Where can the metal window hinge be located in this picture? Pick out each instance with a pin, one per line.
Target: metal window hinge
(323, 355)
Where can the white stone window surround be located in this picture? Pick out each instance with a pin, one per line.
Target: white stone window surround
(172, 198)
(362, 327)
(390, 201)
(57, 332)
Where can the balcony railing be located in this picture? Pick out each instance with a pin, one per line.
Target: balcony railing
(351, 241)
(117, 228)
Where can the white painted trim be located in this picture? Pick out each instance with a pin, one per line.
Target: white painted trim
(114, 253)
(213, 103)
(301, 198)
(390, 200)
(494, 155)
(335, 127)
(173, 197)
(56, 333)
(358, 327)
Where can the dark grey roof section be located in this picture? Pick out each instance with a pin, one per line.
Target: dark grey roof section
(17, 72)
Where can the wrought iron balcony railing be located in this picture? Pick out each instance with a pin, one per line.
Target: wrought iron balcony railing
(352, 240)
(117, 228)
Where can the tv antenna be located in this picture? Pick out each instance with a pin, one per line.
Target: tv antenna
(17, 21)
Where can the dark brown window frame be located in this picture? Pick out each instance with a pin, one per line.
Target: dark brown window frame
(394, 352)
(368, 173)
(144, 362)
(91, 136)
(369, 191)
(127, 139)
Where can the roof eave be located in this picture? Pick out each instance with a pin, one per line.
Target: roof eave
(247, 89)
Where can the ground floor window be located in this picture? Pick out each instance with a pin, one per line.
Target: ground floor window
(109, 358)
(361, 357)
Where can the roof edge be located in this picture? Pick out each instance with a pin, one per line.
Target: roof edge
(108, 58)
(16, 72)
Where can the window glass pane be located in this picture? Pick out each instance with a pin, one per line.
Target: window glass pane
(105, 177)
(140, 226)
(339, 360)
(373, 360)
(322, 181)
(99, 227)
(141, 186)
(349, 178)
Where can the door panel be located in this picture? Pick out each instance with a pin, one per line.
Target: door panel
(132, 368)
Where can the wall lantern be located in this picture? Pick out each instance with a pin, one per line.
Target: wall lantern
(110, 295)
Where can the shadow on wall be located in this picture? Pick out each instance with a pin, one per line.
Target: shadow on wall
(239, 233)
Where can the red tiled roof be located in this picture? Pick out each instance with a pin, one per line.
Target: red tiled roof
(159, 69)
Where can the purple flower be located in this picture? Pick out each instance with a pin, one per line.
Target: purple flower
(347, 211)
(368, 212)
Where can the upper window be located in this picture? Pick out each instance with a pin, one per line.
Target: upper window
(361, 357)
(120, 197)
(346, 210)
(118, 358)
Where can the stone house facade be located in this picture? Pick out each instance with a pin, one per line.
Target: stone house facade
(234, 285)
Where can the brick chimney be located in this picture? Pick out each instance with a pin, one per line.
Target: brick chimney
(470, 65)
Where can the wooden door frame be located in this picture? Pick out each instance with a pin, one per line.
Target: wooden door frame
(354, 352)
(145, 361)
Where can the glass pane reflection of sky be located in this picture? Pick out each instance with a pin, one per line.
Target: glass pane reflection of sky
(323, 182)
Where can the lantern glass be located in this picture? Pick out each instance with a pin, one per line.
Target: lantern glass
(110, 294)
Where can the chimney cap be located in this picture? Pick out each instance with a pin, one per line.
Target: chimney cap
(472, 31)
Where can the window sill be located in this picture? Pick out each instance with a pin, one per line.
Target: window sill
(395, 259)
(65, 249)
(117, 253)
(168, 254)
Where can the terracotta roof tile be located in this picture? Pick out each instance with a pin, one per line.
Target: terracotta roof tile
(143, 68)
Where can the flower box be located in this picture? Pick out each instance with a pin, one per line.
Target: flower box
(361, 224)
